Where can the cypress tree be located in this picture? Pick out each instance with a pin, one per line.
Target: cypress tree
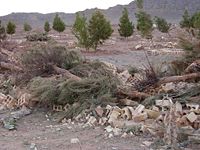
(126, 27)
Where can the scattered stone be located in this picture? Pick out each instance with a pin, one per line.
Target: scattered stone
(108, 129)
(74, 141)
(139, 47)
(163, 103)
(33, 146)
(124, 135)
(117, 131)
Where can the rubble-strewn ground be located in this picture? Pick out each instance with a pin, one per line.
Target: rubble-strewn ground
(36, 131)
(49, 135)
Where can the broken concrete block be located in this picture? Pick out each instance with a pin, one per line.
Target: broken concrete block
(178, 107)
(99, 110)
(139, 110)
(155, 108)
(126, 113)
(183, 121)
(103, 120)
(139, 47)
(152, 114)
(117, 131)
(140, 117)
(92, 121)
(192, 106)
(108, 129)
(163, 103)
(115, 114)
(191, 117)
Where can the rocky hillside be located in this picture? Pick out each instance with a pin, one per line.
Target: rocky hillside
(172, 10)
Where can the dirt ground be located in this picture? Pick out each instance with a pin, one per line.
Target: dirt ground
(45, 134)
(50, 135)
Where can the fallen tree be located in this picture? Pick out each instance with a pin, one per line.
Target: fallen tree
(185, 77)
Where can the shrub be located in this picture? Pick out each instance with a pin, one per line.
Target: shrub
(37, 37)
(38, 61)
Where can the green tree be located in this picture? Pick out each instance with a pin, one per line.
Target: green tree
(139, 4)
(186, 21)
(99, 29)
(27, 27)
(144, 24)
(47, 27)
(10, 29)
(80, 31)
(144, 21)
(196, 23)
(58, 24)
(162, 24)
(126, 27)
(2, 32)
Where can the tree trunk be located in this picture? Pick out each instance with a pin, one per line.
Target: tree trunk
(178, 78)
(132, 94)
(65, 73)
(9, 66)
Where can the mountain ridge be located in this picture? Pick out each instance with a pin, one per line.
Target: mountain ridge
(171, 10)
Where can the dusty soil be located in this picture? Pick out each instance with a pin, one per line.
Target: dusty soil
(49, 135)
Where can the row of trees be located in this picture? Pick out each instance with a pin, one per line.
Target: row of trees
(93, 32)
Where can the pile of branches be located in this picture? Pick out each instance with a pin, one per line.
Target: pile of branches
(37, 37)
(43, 59)
(88, 91)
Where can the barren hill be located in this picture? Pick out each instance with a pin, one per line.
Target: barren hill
(172, 10)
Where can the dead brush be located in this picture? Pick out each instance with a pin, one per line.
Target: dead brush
(149, 79)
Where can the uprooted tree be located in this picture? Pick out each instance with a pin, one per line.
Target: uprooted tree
(126, 27)
(99, 29)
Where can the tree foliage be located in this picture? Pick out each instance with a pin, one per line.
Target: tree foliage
(144, 24)
(99, 29)
(126, 27)
(139, 4)
(47, 27)
(162, 25)
(80, 31)
(10, 28)
(2, 32)
(186, 21)
(58, 24)
(27, 27)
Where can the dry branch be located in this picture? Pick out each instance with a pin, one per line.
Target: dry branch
(133, 94)
(10, 66)
(65, 72)
(179, 78)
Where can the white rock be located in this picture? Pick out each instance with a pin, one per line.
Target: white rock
(139, 47)
(74, 140)
(108, 129)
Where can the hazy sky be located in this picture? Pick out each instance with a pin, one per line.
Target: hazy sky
(46, 6)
